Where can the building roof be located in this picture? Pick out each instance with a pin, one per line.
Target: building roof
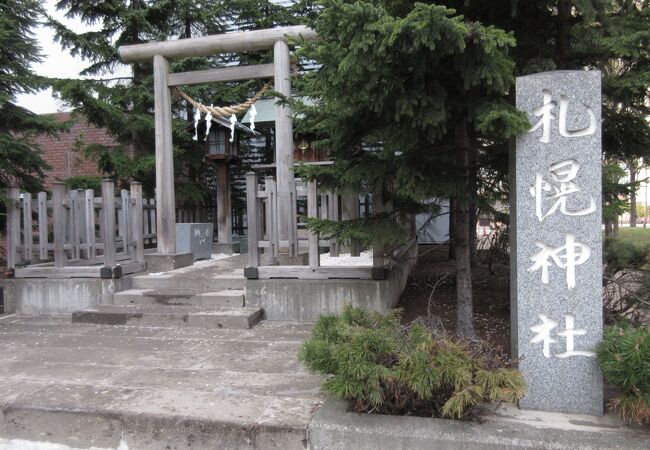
(266, 109)
(226, 123)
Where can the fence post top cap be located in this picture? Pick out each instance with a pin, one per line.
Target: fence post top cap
(136, 182)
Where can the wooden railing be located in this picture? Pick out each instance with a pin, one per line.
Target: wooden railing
(75, 234)
(265, 246)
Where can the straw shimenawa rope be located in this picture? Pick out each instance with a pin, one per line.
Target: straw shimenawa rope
(224, 111)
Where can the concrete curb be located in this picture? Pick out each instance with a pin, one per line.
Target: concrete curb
(333, 428)
(109, 429)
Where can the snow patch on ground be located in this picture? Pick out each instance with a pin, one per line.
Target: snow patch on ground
(345, 260)
(21, 444)
(214, 257)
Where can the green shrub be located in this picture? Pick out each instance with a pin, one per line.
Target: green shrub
(380, 366)
(620, 255)
(624, 356)
(84, 182)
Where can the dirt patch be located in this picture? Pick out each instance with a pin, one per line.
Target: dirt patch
(491, 295)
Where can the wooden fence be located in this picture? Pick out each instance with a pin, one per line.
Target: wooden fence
(264, 245)
(75, 234)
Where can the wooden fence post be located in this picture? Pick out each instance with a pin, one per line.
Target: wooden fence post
(274, 218)
(312, 212)
(378, 251)
(13, 225)
(333, 214)
(80, 214)
(28, 228)
(153, 218)
(350, 211)
(124, 221)
(73, 223)
(323, 207)
(42, 226)
(108, 225)
(137, 228)
(89, 200)
(251, 203)
(146, 221)
(271, 219)
(58, 217)
(293, 219)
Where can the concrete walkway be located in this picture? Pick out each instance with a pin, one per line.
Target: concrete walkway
(507, 428)
(132, 387)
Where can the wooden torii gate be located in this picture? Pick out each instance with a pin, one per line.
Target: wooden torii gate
(161, 52)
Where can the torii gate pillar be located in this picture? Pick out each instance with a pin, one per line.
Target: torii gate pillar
(283, 141)
(165, 196)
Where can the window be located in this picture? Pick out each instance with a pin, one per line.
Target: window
(217, 142)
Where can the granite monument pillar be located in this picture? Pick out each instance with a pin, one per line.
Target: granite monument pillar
(556, 267)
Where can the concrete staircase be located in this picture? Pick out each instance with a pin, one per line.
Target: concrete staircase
(76, 385)
(205, 296)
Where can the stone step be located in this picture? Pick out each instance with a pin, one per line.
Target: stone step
(48, 416)
(209, 282)
(170, 316)
(228, 298)
(149, 388)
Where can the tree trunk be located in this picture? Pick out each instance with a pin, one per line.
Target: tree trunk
(472, 185)
(464, 312)
(452, 228)
(564, 33)
(632, 168)
(615, 227)
(473, 220)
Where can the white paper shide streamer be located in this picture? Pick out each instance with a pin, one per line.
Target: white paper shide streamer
(197, 119)
(208, 124)
(233, 122)
(252, 114)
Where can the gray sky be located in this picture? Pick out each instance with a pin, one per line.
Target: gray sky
(56, 63)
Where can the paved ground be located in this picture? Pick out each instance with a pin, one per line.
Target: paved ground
(144, 387)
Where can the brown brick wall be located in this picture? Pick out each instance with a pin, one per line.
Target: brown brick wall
(60, 153)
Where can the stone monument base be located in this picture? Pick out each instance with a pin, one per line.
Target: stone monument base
(164, 263)
(195, 238)
(226, 248)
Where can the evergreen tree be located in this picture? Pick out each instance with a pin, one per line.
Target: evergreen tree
(20, 161)
(411, 102)
(612, 36)
(624, 357)
(382, 93)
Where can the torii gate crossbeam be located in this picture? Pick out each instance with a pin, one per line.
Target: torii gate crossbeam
(160, 52)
